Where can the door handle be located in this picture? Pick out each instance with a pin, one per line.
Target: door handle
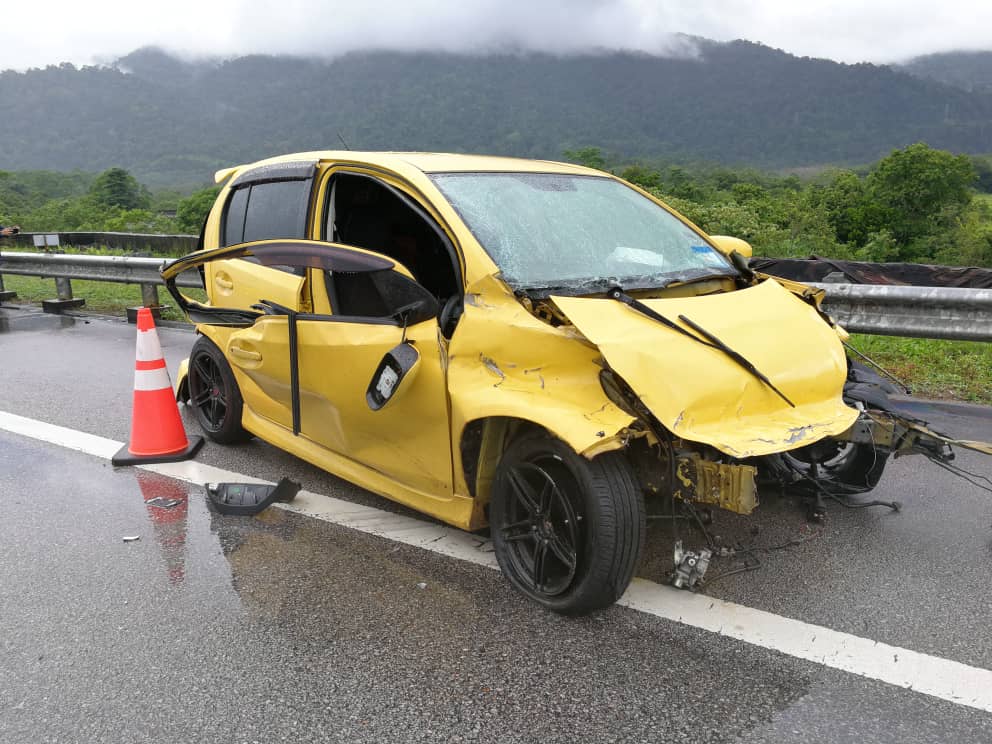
(222, 280)
(252, 356)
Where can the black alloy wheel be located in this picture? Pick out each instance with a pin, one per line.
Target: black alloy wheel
(544, 531)
(214, 395)
(567, 531)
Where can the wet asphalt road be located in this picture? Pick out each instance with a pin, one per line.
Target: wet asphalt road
(285, 628)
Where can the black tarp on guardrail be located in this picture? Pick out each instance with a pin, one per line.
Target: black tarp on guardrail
(816, 269)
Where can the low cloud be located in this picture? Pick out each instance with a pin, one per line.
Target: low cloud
(38, 34)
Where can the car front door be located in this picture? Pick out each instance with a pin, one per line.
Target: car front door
(339, 355)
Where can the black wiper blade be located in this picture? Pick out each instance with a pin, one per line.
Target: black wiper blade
(692, 277)
(737, 357)
(576, 287)
(708, 339)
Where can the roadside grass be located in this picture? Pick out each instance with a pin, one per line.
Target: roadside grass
(955, 370)
(105, 298)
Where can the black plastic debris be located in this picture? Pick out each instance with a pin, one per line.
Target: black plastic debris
(249, 498)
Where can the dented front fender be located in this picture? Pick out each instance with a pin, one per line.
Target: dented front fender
(504, 362)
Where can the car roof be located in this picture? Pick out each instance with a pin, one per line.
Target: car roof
(425, 162)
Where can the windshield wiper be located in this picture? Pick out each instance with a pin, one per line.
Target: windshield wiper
(708, 339)
(592, 285)
(690, 277)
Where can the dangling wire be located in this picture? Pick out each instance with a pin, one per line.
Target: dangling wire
(879, 367)
(972, 478)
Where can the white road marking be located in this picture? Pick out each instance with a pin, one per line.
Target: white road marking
(929, 675)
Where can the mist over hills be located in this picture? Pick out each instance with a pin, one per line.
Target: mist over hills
(970, 71)
(174, 122)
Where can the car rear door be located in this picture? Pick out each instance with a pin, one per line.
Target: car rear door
(267, 202)
(312, 373)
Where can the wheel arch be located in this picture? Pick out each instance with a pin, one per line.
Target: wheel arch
(483, 440)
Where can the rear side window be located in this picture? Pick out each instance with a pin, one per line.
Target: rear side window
(277, 210)
(234, 220)
(261, 211)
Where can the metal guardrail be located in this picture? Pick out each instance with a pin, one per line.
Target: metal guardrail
(120, 269)
(63, 268)
(922, 312)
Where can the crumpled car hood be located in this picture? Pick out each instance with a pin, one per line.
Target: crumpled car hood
(700, 394)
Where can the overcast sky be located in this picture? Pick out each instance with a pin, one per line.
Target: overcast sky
(45, 32)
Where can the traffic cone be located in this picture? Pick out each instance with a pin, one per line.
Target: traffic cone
(157, 433)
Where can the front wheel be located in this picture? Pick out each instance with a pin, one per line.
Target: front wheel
(567, 531)
(857, 467)
(214, 394)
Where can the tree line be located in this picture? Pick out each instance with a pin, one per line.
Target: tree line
(917, 204)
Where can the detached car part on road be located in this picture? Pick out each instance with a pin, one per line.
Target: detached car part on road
(530, 345)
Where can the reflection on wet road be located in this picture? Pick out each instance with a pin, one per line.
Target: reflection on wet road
(256, 629)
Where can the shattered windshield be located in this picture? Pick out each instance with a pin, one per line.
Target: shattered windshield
(548, 230)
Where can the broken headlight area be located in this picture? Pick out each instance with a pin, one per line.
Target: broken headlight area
(834, 468)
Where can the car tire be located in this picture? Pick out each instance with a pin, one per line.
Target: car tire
(567, 531)
(857, 466)
(214, 395)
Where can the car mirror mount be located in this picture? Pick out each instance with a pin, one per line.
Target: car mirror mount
(399, 365)
(728, 245)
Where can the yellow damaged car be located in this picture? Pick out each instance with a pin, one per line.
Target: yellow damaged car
(525, 345)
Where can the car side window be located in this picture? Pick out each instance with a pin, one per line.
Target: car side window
(266, 210)
(363, 212)
(234, 217)
(277, 210)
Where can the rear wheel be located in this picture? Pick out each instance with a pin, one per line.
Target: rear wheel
(214, 395)
(567, 531)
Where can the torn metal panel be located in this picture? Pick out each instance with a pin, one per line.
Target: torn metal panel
(920, 433)
(701, 394)
(504, 362)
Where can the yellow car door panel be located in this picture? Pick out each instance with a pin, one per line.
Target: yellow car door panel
(310, 373)
(259, 356)
(407, 439)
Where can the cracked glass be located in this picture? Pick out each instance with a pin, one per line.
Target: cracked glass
(552, 230)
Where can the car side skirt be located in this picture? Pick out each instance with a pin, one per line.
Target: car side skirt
(454, 510)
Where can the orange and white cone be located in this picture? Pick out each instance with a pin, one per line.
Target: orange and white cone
(157, 433)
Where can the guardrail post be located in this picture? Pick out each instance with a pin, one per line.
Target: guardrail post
(149, 295)
(6, 294)
(63, 285)
(65, 300)
(149, 299)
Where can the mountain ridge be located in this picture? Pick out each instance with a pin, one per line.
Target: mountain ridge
(176, 121)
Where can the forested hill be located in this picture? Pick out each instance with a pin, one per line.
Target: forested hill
(739, 103)
(971, 71)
